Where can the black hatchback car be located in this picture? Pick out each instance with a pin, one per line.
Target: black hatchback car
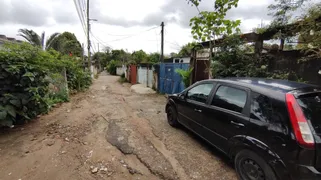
(271, 129)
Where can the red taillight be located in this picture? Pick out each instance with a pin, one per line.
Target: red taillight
(300, 125)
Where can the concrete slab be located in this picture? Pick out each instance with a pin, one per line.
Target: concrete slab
(142, 89)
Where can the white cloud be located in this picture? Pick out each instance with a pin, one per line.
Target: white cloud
(119, 20)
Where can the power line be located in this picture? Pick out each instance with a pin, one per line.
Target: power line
(173, 39)
(132, 35)
(120, 34)
(93, 47)
(80, 15)
(157, 47)
(84, 7)
(99, 40)
(174, 45)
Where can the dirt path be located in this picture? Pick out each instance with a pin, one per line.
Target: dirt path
(108, 132)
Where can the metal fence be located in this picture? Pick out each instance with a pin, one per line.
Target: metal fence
(170, 82)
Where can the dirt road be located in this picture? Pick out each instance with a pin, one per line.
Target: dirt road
(108, 132)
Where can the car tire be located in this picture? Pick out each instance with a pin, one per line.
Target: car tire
(250, 166)
(172, 116)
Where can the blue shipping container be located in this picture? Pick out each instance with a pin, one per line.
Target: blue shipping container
(171, 82)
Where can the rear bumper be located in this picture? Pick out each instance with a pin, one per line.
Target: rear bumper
(303, 172)
(295, 171)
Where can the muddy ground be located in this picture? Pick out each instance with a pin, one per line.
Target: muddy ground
(108, 132)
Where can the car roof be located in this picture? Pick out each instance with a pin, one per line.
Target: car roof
(283, 86)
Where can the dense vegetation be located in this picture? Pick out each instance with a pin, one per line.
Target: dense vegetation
(117, 57)
(234, 57)
(65, 43)
(233, 60)
(33, 80)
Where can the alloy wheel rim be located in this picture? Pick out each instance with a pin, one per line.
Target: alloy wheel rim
(251, 170)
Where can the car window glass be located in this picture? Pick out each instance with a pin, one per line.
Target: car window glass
(269, 111)
(200, 93)
(279, 117)
(261, 107)
(311, 106)
(230, 98)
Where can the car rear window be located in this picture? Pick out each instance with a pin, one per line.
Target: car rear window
(311, 106)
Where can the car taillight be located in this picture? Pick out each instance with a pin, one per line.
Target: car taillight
(299, 123)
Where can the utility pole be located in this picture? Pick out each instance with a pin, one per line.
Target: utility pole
(43, 41)
(162, 42)
(83, 53)
(99, 59)
(88, 40)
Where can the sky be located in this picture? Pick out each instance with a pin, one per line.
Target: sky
(122, 24)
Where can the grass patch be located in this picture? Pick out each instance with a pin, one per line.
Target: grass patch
(122, 80)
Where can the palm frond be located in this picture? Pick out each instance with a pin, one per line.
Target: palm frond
(52, 41)
(31, 36)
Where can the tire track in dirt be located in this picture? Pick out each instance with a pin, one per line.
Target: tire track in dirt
(142, 126)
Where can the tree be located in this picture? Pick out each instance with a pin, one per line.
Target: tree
(309, 30)
(186, 50)
(120, 55)
(67, 43)
(209, 24)
(139, 56)
(154, 58)
(288, 47)
(282, 11)
(103, 57)
(34, 39)
(173, 54)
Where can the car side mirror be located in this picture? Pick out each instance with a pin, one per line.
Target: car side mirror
(181, 96)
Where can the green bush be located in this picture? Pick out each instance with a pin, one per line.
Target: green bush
(112, 67)
(232, 61)
(32, 80)
(185, 75)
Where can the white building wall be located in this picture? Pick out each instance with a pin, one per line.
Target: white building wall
(182, 60)
(120, 71)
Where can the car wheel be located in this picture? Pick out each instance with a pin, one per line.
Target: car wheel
(250, 166)
(172, 116)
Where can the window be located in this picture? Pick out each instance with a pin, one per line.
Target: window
(311, 106)
(261, 107)
(200, 93)
(270, 111)
(230, 98)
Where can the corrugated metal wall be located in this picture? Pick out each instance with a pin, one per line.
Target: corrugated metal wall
(150, 77)
(142, 75)
(170, 82)
(120, 71)
(145, 75)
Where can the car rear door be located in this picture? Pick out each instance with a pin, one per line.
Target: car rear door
(227, 115)
(190, 109)
(310, 103)
(270, 123)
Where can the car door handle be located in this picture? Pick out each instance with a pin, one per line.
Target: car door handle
(237, 124)
(198, 110)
